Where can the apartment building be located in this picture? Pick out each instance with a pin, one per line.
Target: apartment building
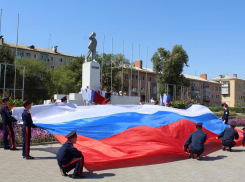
(200, 89)
(54, 57)
(203, 90)
(233, 89)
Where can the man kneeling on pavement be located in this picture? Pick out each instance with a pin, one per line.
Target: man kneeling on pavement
(228, 135)
(69, 157)
(196, 142)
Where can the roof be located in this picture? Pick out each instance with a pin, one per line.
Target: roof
(38, 49)
(226, 77)
(192, 77)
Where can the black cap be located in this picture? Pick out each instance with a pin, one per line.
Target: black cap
(63, 98)
(26, 103)
(5, 99)
(233, 123)
(70, 135)
(199, 124)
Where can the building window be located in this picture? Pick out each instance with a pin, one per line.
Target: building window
(219, 88)
(52, 67)
(142, 90)
(126, 76)
(212, 96)
(216, 88)
(225, 96)
(135, 89)
(35, 56)
(44, 58)
(150, 90)
(149, 78)
(60, 59)
(68, 59)
(239, 97)
(135, 77)
(212, 87)
(201, 86)
(53, 59)
(143, 78)
(28, 55)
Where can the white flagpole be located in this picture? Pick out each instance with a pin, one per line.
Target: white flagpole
(111, 61)
(16, 57)
(102, 63)
(146, 75)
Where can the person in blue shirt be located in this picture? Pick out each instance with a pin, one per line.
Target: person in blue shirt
(196, 142)
(69, 157)
(226, 114)
(189, 104)
(7, 120)
(227, 136)
(26, 129)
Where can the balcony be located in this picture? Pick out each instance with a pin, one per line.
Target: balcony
(224, 92)
(206, 98)
(225, 86)
(195, 88)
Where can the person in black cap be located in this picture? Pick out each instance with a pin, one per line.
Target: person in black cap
(196, 142)
(27, 125)
(228, 135)
(64, 99)
(7, 119)
(189, 104)
(203, 104)
(69, 157)
(226, 114)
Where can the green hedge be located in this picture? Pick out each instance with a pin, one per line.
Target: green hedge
(182, 104)
(232, 109)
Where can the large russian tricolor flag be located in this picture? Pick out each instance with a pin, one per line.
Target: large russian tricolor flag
(113, 133)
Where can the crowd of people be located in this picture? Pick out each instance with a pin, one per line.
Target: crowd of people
(69, 157)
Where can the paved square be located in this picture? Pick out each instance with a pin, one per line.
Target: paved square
(216, 166)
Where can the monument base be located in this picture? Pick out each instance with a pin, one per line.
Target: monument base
(91, 75)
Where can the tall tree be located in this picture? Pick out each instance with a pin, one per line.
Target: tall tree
(7, 58)
(170, 66)
(36, 72)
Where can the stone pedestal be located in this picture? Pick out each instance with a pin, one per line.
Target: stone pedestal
(91, 75)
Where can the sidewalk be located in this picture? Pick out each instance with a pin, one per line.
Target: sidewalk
(217, 166)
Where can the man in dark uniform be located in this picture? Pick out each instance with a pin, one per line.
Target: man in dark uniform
(189, 104)
(243, 140)
(226, 114)
(69, 157)
(196, 142)
(7, 120)
(64, 99)
(27, 125)
(228, 135)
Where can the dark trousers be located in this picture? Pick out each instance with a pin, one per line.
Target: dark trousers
(228, 144)
(243, 140)
(76, 163)
(195, 151)
(8, 130)
(26, 140)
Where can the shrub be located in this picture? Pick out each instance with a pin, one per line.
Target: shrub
(182, 104)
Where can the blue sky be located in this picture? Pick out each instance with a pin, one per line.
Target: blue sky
(211, 32)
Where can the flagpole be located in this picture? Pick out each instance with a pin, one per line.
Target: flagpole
(146, 75)
(16, 57)
(122, 69)
(139, 74)
(1, 22)
(111, 61)
(131, 70)
(102, 63)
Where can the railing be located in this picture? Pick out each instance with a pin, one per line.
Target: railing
(195, 88)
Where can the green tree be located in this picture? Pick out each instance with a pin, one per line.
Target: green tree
(36, 72)
(8, 58)
(170, 66)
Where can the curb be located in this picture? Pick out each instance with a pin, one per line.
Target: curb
(35, 144)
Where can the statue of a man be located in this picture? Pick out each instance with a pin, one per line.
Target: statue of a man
(92, 47)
